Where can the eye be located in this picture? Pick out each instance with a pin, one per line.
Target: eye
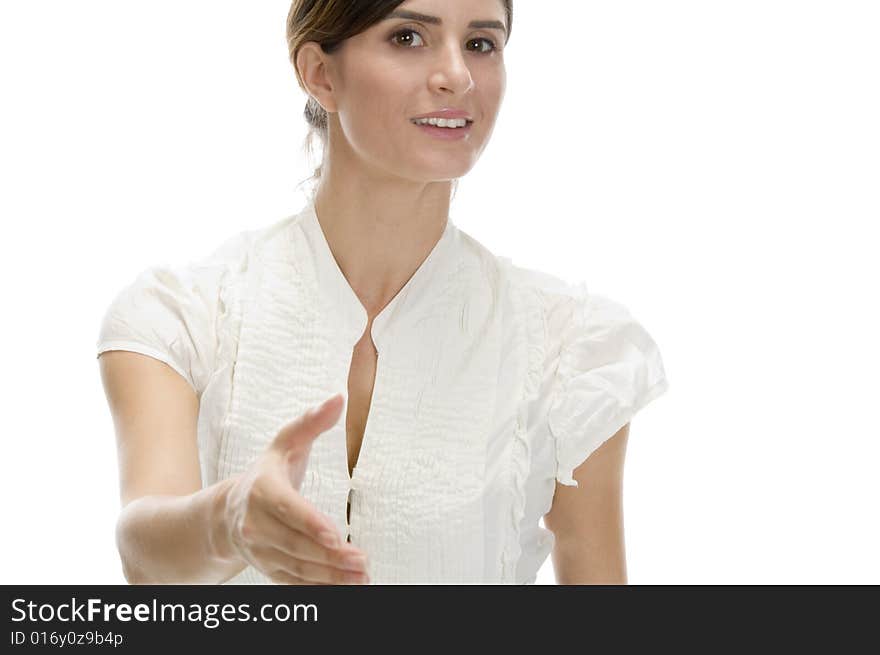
(403, 32)
(485, 40)
(408, 44)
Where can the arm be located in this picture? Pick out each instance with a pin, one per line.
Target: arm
(587, 520)
(169, 529)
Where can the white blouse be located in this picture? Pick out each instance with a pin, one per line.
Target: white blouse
(493, 382)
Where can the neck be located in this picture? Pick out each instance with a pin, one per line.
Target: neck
(380, 232)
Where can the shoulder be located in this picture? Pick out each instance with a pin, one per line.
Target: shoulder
(246, 244)
(501, 267)
(569, 306)
(171, 311)
(538, 282)
(574, 312)
(229, 261)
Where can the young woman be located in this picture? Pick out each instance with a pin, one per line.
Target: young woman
(466, 397)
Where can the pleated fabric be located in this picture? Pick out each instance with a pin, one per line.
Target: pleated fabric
(493, 383)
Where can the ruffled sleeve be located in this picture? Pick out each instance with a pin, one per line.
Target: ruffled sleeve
(167, 313)
(609, 369)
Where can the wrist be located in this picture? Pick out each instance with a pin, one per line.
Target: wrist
(220, 547)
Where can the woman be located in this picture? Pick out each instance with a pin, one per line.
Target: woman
(477, 393)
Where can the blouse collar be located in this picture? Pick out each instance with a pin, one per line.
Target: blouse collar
(349, 315)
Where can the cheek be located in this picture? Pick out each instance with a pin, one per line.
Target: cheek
(374, 104)
(491, 95)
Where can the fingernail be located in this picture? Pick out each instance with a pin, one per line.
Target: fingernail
(329, 539)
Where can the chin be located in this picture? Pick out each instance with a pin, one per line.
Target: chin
(439, 171)
(439, 177)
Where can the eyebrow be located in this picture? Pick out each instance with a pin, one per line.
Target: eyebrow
(476, 24)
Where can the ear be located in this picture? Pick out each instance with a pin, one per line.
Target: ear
(311, 62)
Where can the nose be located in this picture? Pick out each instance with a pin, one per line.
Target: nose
(450, 71)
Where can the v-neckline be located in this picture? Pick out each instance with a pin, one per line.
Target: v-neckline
(353, 316)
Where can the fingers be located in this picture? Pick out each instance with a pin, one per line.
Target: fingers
(299, 545)
(300, 432)
(282, 577)
(297, 513)
(293, 542)
(280, 564)
(290, 522)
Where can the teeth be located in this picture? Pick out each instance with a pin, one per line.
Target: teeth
(442, 122)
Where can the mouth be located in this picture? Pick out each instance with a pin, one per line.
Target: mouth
(468, 123)
(454, 132)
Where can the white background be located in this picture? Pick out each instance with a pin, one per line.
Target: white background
(712, 165)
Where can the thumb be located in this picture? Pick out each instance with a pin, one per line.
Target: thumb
(300, 432)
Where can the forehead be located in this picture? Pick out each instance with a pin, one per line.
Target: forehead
(488, 14)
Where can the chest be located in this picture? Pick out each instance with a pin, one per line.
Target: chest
(361, 381)
(432, 435)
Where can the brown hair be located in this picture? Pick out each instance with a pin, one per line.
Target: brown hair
(329, 23)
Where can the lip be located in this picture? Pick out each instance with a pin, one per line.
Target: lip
(446, 112)
(445, 133)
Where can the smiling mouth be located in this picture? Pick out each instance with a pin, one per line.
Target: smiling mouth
(468, 123)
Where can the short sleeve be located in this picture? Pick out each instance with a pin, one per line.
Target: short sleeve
(167, 313)
(609, 369)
